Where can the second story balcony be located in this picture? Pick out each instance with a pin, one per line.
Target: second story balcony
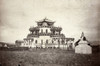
(44, 34)
(32, 35)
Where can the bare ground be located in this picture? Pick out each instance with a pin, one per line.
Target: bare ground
(48, 57)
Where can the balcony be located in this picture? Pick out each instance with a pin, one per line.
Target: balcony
(32, 35)
(44, 34)
(57, 35)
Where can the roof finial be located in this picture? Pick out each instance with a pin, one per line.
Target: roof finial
(83, 37)
(45, 19)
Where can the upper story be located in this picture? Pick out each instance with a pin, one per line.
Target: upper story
(45, 27)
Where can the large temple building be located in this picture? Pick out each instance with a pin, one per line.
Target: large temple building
(46, 35)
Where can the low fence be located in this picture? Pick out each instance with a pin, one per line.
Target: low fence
(94, 48)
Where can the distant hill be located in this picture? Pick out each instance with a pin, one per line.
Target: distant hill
(4, 44)
(7, 43)
(95, 43)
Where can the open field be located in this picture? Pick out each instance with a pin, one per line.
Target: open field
(48, 57)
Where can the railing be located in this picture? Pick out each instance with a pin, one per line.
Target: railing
(57, 35)
(44, 34)
(33, 35)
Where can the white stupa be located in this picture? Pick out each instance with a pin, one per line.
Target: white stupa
(83, 47)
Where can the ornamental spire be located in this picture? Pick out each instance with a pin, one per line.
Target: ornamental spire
(45, 19)
(83, 37)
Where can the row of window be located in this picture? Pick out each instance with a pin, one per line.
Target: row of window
(42, 31)
(47, 31)
(36, 41)
(47, 41)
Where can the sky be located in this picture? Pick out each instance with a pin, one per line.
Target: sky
(74, 16)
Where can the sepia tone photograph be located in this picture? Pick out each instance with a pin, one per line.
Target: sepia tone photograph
(49, 32)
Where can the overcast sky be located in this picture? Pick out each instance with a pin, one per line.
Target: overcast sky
(74, 16)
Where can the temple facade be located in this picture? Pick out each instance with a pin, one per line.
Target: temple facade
(46, 35)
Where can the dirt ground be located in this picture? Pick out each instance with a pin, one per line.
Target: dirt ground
(48, 57)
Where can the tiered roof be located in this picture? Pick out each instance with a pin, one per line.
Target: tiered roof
(33, 29)
(56, 28)
(44, 22)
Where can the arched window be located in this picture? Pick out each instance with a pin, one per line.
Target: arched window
(44, 24)
(46, 31)
(36, 41)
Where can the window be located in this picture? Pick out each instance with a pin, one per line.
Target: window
(44, 24)
(58, 42)
(52, 41)
(32, 40)
(46, 31)
(36, 41)
(41, 41)
(41, 30)
(47, 41)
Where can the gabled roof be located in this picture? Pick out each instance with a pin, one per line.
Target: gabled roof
(45, 20)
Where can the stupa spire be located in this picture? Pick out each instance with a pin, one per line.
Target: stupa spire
(45, 19)
(83, 37)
